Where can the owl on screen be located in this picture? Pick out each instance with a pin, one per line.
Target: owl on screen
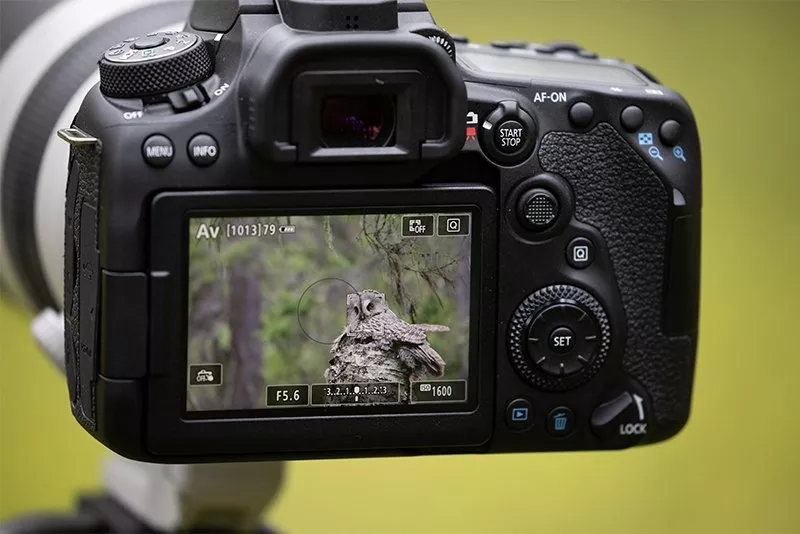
(378, 346)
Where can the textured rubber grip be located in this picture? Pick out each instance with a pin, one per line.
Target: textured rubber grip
(81, 280)
(618, 193)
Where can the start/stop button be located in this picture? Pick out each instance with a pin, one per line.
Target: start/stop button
(508, 134)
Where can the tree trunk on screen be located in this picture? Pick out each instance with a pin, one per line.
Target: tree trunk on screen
(243, 378)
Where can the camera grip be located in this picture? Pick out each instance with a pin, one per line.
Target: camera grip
(618, 193)
(81, 279)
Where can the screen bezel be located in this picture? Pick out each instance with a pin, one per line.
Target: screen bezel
(172, 429)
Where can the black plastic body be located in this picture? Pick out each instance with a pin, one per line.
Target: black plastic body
(124, 277)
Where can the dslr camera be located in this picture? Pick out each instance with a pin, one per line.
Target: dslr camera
(315, 229)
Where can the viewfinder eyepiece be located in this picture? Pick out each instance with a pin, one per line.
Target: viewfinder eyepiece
(358, 121)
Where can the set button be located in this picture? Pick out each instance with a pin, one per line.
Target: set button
(562, 340)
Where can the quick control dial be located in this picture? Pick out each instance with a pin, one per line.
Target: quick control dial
(154, 64)
(559, 337)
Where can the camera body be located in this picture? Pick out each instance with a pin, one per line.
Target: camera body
(312, 230)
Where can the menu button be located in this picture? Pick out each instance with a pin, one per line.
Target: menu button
(158, 151)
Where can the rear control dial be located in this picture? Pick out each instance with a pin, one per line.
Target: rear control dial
(559, 337)
(508, 134)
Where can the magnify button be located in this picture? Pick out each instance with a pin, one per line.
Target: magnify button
(678, 153)
(653, 151)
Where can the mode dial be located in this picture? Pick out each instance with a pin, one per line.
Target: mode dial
(559, 337)
(154, 64)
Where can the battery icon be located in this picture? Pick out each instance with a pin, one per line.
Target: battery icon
(289, 229)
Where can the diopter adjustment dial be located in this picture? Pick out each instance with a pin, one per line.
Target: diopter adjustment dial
(441, 38)
(154, 64)
(559, 337)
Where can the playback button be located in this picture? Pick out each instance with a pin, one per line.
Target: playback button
(519, 414)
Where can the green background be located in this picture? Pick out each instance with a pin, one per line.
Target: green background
(735, 468)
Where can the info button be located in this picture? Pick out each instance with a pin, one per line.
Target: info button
(203, 150)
